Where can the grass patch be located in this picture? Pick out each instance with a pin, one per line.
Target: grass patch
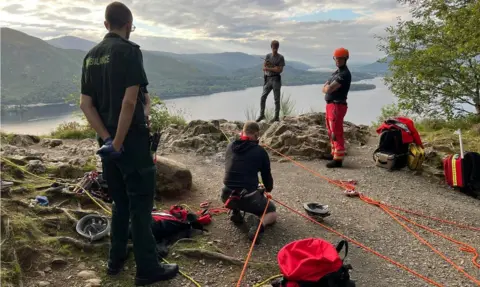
(73, 130)
(6, 138)
(287, 108)
(441, 132)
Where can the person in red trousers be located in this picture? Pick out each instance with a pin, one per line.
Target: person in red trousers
(336, 91)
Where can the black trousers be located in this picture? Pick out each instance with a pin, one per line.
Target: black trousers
(131, 183)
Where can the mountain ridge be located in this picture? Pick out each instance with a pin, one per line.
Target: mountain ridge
(213, 60)
(34, 71)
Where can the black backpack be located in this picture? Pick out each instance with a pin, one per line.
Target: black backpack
(391, 142)
(471, 174)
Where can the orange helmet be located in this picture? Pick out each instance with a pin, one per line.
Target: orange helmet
(341, 53)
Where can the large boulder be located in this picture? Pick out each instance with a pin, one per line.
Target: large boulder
(201, 137)
(173, 178)
(306, 136)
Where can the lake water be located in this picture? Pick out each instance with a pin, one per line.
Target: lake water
(364, 107)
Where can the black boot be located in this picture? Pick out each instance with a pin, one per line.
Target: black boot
(165, 272)
(328, 156)
(236, 217)
(252, 223)
(263, 104)
(277, 115)
(334, 163)
(115, 267)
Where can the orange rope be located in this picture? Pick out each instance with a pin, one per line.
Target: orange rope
(476, 281)
(244, 269)
(352, 187)
(332, 181)
(463, 246)
(434, 218)
(361, 245)
(393, 215)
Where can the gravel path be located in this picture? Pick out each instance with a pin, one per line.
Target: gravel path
(365, 223)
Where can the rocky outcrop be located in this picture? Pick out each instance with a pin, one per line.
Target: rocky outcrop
(52, 143)
(202, 137)
(306, 136)
(23, 140)
(173, 178)
(301, 136)
(36, 166)
(66, 170)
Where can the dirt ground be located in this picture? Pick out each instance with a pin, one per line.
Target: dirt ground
(352, 217)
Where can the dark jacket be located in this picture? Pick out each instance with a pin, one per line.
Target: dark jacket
(243, 160)
(344, 78)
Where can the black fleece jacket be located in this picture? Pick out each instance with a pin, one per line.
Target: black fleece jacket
(244, 159)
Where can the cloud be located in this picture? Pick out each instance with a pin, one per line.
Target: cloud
(75, 10)
(13, 9)
(308, 30)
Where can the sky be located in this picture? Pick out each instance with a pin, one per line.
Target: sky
(308, 30)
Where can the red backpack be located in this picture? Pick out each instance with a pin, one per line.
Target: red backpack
(313, 262)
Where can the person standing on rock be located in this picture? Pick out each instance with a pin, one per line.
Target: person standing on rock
(244, 159)
(112, 76)
(272, 67)
(336, 91)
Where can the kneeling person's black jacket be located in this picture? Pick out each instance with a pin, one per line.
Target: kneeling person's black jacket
(244, 159)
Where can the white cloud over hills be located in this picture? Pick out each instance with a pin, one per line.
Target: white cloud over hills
(308, 30)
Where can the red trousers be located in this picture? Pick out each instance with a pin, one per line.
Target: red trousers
(334, 121)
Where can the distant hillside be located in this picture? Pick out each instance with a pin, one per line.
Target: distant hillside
(378, 67)
(215, 63)
(70, 42)
(33, 71)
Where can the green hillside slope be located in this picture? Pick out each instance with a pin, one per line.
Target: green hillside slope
(34, 71)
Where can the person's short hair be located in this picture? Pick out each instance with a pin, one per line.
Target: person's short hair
(117, 15)
(275, 44)
(251, 127)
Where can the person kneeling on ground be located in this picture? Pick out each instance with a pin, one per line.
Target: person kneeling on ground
(244, 159)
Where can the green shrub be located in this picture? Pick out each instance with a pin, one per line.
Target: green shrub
(161, 117)
(464, 123)
(73, 130)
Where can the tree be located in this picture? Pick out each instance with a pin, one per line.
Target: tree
(435, 58)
